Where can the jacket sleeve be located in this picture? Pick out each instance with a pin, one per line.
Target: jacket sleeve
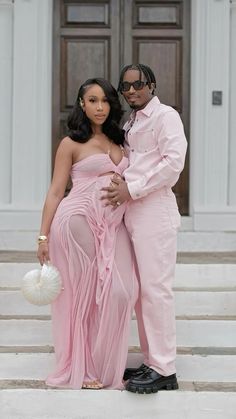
(172, 146)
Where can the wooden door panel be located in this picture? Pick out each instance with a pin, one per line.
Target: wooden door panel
(157, 14)
(164, 57)
(92, 13)
(79, 57)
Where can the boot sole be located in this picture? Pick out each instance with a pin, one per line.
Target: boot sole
(153, 388)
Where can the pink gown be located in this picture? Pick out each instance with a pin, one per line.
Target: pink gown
(89, 245)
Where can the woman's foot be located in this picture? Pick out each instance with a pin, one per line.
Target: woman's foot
(92, 385)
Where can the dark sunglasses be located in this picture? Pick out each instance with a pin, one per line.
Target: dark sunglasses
(137, 85)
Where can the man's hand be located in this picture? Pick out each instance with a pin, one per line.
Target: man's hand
(117, 192)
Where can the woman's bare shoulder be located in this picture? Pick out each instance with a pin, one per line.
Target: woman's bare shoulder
(65, 148)
(67, 142)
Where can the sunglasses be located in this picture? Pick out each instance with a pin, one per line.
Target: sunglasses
(137, 85)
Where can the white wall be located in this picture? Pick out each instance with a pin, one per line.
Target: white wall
(212, 176)
(6, 89)
(25, 74)
(232, 103)
(25, 119)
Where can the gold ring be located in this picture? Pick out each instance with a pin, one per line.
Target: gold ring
(118, 203)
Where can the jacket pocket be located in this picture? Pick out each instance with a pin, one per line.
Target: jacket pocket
(145, 141)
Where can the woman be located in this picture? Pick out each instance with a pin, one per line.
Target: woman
(87, 241)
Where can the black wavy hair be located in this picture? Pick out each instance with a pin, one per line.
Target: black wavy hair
(79, 125)
(147, 72)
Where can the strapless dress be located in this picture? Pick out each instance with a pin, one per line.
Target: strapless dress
(89, 244)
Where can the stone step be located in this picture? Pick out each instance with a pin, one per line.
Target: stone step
(190, 368)
(206, 360)
(112, 404)
(207, 334)
(13, 303)
(190, 276)
(188, 303)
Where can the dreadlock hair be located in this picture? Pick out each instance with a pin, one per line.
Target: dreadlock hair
(79, 125)
(147, 72)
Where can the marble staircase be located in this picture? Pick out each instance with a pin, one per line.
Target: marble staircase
(206, 357)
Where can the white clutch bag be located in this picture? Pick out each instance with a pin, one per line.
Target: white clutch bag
(42, 286)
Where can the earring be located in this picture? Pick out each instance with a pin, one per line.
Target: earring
(81, 103)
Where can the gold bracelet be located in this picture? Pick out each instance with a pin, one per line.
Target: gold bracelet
(42, 239)
(43, 242)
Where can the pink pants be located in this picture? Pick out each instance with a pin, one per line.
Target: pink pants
(152, 223)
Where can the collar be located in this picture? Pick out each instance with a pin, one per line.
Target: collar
(149, 108)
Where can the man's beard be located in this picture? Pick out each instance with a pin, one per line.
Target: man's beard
(133, 106)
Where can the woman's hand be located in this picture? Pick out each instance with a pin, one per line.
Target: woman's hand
(43, 253)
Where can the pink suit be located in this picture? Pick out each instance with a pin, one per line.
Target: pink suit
(157, 147)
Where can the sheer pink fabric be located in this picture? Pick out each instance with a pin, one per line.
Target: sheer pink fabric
(90, 246)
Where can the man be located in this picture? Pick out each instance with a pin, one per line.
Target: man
(157, 147)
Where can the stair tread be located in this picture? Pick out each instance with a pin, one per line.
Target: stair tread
(187, 275)
(187, 303)
(210, 368)
(182, 257)
(106, 404)
(190, 333)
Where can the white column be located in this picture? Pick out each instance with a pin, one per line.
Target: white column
(6, 53)
(29, 141)
(232, 101)
(209, 149)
